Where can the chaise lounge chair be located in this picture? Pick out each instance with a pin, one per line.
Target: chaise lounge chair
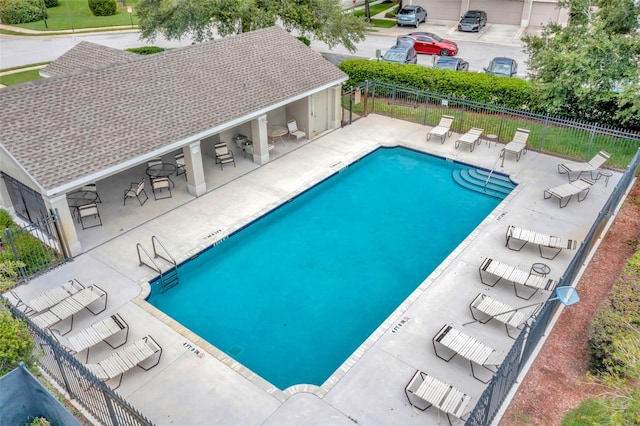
(70, 306)
(514, 275)
(517, 146)
(555, 244)
(436, 393)
(124, 359)
(48, 298)
(101, 331)
(471, 138)
(469, 348)
(591, 166)
(443, 129)
(565, 191)
(485, 308)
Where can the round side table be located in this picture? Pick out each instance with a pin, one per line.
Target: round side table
(606, 174)
(541, 269)
(491, 138)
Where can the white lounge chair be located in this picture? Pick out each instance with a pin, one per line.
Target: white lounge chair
(485, 308)
(124, 359)
(49, 298)
(471, 138)
(436, 393)
(101, 331)
(443, 129)
(292, 126)
(70, 306)
(566, 191)
(550, 242)
(469, 348)
(514, 275)
(517, 146)
(591, 166)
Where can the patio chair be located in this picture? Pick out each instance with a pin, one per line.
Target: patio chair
(223, 154)
(92, 188)
(136, 191)
(139, 353)
(89, 211)
(566, 191)
(158, 185)
(471, 138)
(180, 165)
(517, 146)
(456, 342)
(591, 166)
(49, 298)
(514, 275)
(70, 306)
(433, 392)
(485, 308)
(294, 131)
(443, 129)
(101, 331)
(550, 242)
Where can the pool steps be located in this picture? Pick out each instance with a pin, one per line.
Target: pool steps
(476, 180)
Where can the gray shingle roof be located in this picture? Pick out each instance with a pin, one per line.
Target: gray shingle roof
(86, 56)
(65, 128)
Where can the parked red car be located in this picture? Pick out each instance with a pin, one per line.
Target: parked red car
(431, 44)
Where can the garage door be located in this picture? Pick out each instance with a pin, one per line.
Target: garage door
(543, 13)
(500, 11)
(440, 9)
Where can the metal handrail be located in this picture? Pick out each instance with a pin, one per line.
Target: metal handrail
(486, 182)
(153, 265)
(171, 260)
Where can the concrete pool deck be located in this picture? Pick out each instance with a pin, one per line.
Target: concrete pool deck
(195, 384)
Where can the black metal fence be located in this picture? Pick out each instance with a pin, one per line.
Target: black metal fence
(93, 395)
(490, 401)
(40, 245)
(554, 135)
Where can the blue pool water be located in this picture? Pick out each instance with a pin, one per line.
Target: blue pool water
(292, 295)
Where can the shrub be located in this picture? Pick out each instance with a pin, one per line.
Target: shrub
(392, 13)
(20, 11)
(510, 92)
(50, 3)
(145, 50)
(6, 220)
(614, 319)
(103, 7)
(305, 40)
(16, 344)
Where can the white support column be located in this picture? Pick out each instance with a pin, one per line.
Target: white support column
(527, 5)
(260, 140)
(335, 107)
(195, 170)
(59, 202)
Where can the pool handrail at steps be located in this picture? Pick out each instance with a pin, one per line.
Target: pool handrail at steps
(169, 278)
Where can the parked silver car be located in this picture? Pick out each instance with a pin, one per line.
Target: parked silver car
(411, 15)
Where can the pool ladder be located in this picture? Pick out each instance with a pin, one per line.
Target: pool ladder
(169, 278)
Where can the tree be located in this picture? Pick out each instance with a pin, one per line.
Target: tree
(203, 19)
(589, 70)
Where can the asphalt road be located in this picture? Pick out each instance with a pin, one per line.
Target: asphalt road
(20, 51)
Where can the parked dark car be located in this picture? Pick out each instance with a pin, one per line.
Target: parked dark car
(431, 44)
(449, 63)
(505, 67)
(411, 15)
(401, 54)
(473, 20)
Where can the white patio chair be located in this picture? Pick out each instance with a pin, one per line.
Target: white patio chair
(136, 191)
(294, 131)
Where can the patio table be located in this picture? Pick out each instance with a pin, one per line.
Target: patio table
(78, 199)
(162, 170)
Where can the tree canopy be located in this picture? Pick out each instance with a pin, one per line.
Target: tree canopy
(589, 69)
(324, 20)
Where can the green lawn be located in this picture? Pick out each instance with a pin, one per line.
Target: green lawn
(75, 14)
(19, 77)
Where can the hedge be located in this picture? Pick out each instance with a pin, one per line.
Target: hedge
(510, 92)
(103, 7)
(20, 11)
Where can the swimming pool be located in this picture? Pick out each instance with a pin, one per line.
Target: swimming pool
(293, 294)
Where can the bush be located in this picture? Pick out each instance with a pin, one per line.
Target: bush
(305, 40)
(145, 50)
(50, 3)
(614, 319)
(6, 220)
(392, 13)
(20, 11)
(103, 7)
(16, 344)
(510, 92)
